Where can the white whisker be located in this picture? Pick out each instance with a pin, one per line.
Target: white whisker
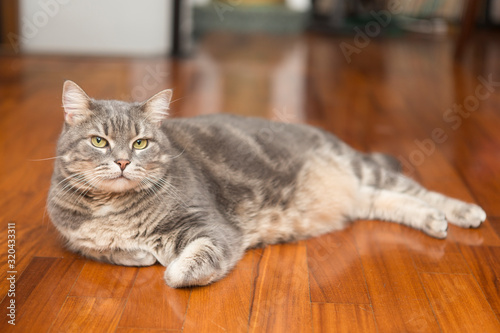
(45, 159)
(182, 152)
(178, 99)
(168, 188)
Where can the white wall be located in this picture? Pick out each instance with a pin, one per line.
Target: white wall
(96, 27)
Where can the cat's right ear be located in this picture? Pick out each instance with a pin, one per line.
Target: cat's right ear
(75, 102)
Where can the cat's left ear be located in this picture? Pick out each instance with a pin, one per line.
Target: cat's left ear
(156, 108)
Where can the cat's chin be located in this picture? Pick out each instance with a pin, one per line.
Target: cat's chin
(118, 185)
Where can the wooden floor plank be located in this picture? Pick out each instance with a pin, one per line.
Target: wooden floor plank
(29, 279)
(335, 271)
(143, 330)
(22, 288)
(43, 305)
(397, 296)
(40, 293)
(463, 154)
(89, 314)
(38, 241)
(439, 256)
(153, 304)
(99, 279)
(459, 304)
(394, 93)
(484, 262)
(495, 224)
(229, 305)
(340, 318)
(281, 294)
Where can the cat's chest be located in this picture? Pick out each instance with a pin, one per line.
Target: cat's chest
(110, 226)
(108, 231)
(106, 209)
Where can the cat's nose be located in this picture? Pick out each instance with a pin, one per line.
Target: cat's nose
(122, 163)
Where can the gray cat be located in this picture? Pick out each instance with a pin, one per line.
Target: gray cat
(131, 187)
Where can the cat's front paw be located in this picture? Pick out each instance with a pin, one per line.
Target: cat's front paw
(435, 225)
(466, 215)
(183, 273)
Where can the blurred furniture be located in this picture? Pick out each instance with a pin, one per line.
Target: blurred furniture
(467, 25)
(182, 28)
(9, 26)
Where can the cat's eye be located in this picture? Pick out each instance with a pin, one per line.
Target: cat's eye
(98, 142)
(140, 144)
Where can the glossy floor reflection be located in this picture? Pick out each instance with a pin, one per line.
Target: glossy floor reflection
(400, 96)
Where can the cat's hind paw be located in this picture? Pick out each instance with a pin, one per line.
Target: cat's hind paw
(466, 216)
(436, 225)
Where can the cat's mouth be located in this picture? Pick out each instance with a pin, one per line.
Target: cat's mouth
(120, 183)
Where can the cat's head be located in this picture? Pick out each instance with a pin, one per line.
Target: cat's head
(112, 146)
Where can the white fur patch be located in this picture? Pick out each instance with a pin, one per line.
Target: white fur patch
(104, 210)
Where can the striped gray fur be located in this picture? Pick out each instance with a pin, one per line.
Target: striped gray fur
(206, 189)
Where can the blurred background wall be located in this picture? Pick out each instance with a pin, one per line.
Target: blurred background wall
(94, 27)
(158, 27)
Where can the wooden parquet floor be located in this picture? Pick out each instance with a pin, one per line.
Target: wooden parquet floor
(406, 97)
